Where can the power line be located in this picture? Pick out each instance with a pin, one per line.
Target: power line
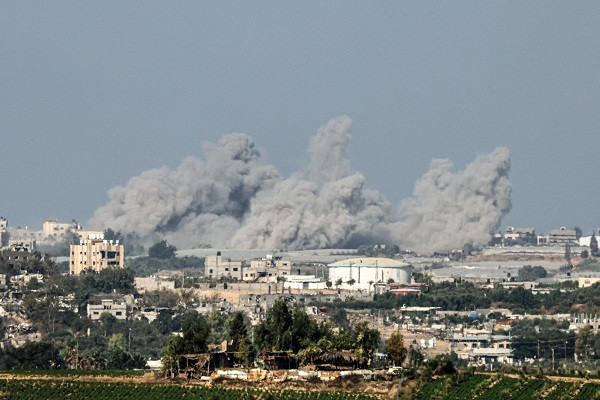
(547, 341)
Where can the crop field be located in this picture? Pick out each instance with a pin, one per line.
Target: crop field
(483, 387)
(74, 390)
(80, 372)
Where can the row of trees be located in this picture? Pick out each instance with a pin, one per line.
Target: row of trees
(282, 329)
(460, 296)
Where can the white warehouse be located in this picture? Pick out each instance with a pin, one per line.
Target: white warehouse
(367, 271)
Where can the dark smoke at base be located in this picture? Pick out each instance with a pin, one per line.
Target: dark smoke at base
(234, 199)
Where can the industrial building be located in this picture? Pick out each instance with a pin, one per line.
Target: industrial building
(363, 273)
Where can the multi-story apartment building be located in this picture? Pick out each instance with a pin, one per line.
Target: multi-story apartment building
(558, 236)
(216, 267)
(51, 228)
(96, 253)
(267, 269)
(118, 310)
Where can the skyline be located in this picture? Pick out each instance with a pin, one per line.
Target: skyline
(136, 89)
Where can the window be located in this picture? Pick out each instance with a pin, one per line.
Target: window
(119, 313)
(235, 269)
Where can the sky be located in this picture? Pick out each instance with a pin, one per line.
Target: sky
(93, 93)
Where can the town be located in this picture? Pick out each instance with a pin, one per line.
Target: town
(525, 300)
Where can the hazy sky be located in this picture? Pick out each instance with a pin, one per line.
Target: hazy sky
(92, 93)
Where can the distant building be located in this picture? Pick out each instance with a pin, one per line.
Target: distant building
(17, 253)
(51, 228)
(267, 269)
(363, 273)
(96, 254)
(216, 267)
(153, 283)
(25, 235)
(520, 236)
(118, 310)
(558, 236)
(3, 232)
(304, 282)
(587, 281)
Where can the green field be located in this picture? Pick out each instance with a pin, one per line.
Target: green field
(30, 389)
(485, 387)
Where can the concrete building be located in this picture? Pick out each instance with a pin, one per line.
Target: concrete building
(95, 253)
(3, 232)
(216, 267)
(367, 271)
(304, 282)
(17, 253)
(153, 283)
(587, 281)
(118, 310)
(267, 269)
(559, 236)
(51, 228)
(23, 235)
(519, 236)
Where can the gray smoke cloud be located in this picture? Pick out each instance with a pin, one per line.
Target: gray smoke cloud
(448, 210)
(234, 198)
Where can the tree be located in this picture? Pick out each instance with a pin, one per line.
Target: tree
(164, 322)
(162, 250)
(366, 340)
(594, 245)
(415, 358)
(328, 284)
(32, 355)
(238, 332)
(170, 355)
(195, 334)
(394, 349)
(270, 333)
(109, 234)
(528, 273)
(351, 282)
(583, 342)
(584, 254)
(339, 282)
(340, 317)
(117, 342)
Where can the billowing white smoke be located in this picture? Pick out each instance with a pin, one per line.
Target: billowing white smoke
(234, 199)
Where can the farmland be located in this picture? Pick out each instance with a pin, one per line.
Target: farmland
(488, 387)
(50, 389)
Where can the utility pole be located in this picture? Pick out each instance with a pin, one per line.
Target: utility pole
(76, 351)
(565, 352)
(129, 341)
(538, 358)
(553, 359)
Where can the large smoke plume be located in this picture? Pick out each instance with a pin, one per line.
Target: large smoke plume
(233, 198)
